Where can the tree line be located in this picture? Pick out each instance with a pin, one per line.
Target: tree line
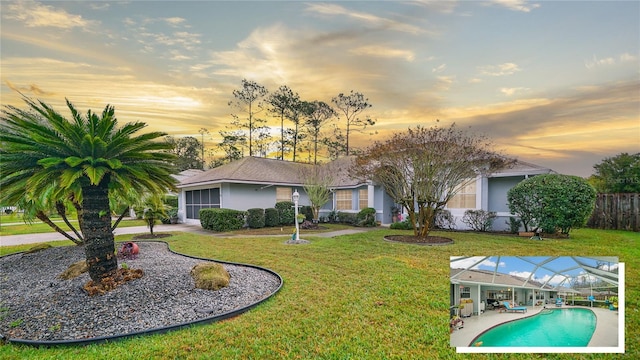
(312, 127)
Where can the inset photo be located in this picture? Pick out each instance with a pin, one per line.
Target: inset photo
(550, 303)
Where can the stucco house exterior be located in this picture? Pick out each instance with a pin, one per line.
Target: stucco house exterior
(254, 182)
(490, 193)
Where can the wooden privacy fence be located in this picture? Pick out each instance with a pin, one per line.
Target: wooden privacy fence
(616, 212)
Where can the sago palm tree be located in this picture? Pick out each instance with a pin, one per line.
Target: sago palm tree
(48, 159)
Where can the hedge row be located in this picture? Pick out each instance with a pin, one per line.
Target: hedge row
(221, 220)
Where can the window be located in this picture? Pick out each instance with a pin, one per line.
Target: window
(283, 194)
(343, 200)
(201, 199)
(363, 198)
(465, 197)
(465, 292)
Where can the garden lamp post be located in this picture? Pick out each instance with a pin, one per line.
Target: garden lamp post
(296, 197)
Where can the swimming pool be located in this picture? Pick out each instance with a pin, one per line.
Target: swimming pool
(550, 327)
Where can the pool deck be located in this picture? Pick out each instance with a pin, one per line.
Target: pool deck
(605, 335)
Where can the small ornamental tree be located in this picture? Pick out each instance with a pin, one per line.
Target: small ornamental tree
(556, 202)
(151, 209)
(422, 169)
(317, 185)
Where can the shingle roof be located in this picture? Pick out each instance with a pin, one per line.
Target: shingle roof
(269, 171)
(183, 175)
(522, 168)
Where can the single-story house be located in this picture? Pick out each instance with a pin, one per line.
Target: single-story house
(254, 182)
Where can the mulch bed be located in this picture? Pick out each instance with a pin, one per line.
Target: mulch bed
(149, 236)
(410, 239)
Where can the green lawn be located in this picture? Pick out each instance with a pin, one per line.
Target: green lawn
(351, 297)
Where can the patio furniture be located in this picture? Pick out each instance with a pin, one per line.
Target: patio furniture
(513, 309)
(558, 302)
(466, 307)
(492, 304)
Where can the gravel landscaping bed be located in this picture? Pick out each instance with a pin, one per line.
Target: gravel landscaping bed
(36, 305)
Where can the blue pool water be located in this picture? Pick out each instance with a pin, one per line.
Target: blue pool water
(551, 327)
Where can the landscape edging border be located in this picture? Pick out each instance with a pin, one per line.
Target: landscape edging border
(158, 330)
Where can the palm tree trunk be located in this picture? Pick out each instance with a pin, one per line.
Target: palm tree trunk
(96, 228)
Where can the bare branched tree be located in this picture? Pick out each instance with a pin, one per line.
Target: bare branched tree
(422, 169)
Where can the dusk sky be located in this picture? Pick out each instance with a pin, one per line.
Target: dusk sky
(552, 83)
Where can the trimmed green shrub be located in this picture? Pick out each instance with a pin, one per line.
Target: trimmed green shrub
(366, 217)
(479, 220)
(557, 202)
(307, 211)
(333, 216)
(271, 217)
(285, 212)
(514, 224)
(402, 225)
(255, 218)
(523, 202)
(347, 218)
(172, 216)
(221, 220)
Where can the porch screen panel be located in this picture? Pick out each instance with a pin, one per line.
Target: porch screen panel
(204, 196)
(201, 199)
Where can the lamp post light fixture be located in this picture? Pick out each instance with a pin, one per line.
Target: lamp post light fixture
(296, 197)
